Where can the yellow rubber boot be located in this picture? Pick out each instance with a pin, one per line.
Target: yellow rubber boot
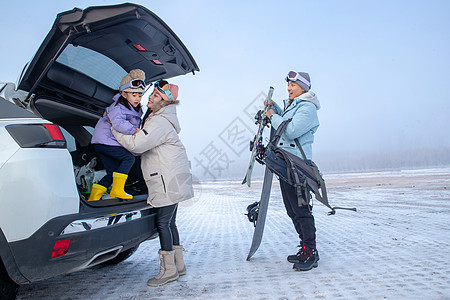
(96, 192)
(117, 186)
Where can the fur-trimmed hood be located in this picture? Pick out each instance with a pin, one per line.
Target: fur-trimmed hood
(163, 103)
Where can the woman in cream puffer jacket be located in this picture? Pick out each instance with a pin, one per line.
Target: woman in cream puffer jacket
(165, 168)
(164, 161)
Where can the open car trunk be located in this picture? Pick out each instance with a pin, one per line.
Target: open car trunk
(89, 169)
(78, 68)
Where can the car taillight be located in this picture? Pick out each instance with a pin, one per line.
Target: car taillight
(37, 135)
(60, 248)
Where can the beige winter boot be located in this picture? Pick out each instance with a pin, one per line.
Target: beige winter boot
(167, 271)
(179, 262)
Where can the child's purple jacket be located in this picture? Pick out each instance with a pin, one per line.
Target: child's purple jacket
(122, 119)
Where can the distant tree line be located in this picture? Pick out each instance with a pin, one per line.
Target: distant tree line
(384, 160)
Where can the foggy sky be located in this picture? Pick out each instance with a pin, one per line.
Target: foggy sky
(379, 68)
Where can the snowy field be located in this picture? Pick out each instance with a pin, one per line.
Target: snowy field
(397, 246)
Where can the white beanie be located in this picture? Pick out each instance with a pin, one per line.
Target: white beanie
(134, 74)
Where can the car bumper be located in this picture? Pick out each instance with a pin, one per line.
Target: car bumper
(92, 241)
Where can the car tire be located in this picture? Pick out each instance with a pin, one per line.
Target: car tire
(121, 256)
(8, 288)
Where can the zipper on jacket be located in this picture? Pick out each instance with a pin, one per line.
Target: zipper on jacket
(164, 185)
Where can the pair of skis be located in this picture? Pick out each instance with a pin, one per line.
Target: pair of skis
(259, 209)
(256, 145)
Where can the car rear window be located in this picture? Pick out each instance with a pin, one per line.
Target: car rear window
(93, 64)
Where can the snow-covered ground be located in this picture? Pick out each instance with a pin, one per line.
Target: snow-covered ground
(397, 246)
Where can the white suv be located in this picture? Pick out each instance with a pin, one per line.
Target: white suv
(47, 164)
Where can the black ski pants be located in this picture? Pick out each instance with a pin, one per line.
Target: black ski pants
(301, 216)
(166, 226)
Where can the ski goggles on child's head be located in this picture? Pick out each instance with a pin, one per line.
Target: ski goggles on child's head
(134, 84)
(165, 92)
(294, 76)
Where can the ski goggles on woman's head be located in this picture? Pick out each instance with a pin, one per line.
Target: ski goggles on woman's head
(134, 84)
(165, 92)
(294, 76)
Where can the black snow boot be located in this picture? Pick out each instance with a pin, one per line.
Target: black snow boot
(300, 256)
(311, 258)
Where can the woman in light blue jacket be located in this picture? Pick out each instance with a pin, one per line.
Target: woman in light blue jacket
(301, 107)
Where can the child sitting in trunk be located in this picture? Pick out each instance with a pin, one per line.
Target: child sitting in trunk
(125, 116)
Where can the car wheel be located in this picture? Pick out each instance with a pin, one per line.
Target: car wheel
(121, 256)
(8, 288)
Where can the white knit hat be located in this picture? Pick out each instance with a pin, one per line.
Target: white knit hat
(133, 75)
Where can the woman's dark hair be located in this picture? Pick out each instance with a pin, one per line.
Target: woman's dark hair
(127, 104)
(147, 113)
